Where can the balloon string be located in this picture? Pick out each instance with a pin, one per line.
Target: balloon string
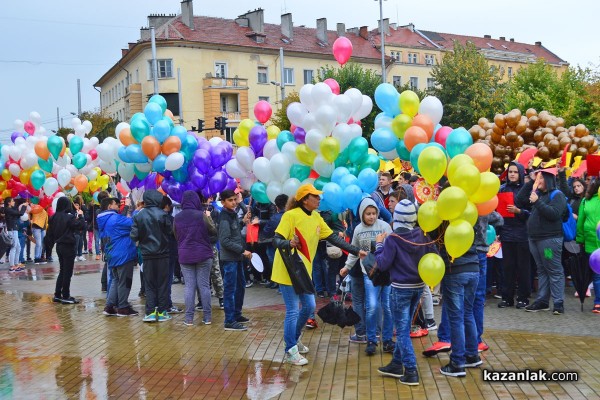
(416, 244)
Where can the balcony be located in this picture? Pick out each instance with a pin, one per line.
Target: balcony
(232, 116)
(225, 83)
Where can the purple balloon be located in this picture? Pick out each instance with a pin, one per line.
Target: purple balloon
(134, 183)
(231, 184)
(300, 135)
(595, 261)
(198, 179)
(258, 138)
(150, 181)
(15, 135)
(202, 160)
(218, 182)
(220, 154)
(204, 144)
(166, 174)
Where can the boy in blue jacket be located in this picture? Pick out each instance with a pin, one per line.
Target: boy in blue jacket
(120, 255)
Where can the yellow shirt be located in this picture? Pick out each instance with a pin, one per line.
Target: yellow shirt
(40, 219)
(312, 227)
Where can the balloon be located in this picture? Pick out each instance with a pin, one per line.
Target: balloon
(481, 154)
(153, 112)
(364, 109)
(368, 180)
(245, 126)
(245, 157)
(330, 148)
(595, 261)
(470, 214)
(239, 139)
(150, 147)
(342, 50)
(270, 148)
(160, 100)
(383, 139)
(442, 134)
(428, 216)
(467, 177)
(80, 160)
(413, 136)
(262, 169)
(171, 145)
(344, 107)
(75, 145)
(55, 146)
(174, 161)
(63, 177)
(432, 107)
(259, 192)
(28, 159)
(305, 155)
(458, 141)
(432, 164)
(274, 189)
(313, 139)
(283, 138)
(24, 176)
(457, 162)
(36, 209)
(358, 149)
(322, 167)
(296, 112)
(299, 172)
(258, 138)
(46, 165)
(487, 189)
(41, 149)
(414, 156)
(458, 237)
(29, 127)
(451, 203)
(139, 127)
(332, 83)
(6, 175)
(273, 132)
(333, 195)
(402, 151)
(300, 135)
(409, 103)
(280, 167)
(487, 207)
(220, 154)
(490, 235)
(423, 122)
(386, 98)
(289, 150)
(80, 183)
(348, 180)
(372, 161)
(160, 131)
(400, 124)
(233, 168)
(352, 196)
(431, 269)
(338, 174)
(290, 187)
(262, 111)
(159, 162)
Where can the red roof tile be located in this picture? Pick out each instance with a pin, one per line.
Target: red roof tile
(402, 37)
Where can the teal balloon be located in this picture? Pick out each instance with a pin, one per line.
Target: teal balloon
(414, 156)
(342, 159)
(490, 235)
(169, 121)
(160, 131)
(140, 128)
(353, 169)
(372, 162)
(283, 138)
(259, 192)
(37, 179)
(158, 99)
(189, 145)
(457, 141)
(300, 172)
(75, 144)
(320, 182)
(79, 160)
(387, 99)
(181, 175)
(368, 180)
(180, 132)
(358, 149)
(439, 146)
(46, 165)
(153, 112)
(402, 151)
(35, 200)
(55, 146)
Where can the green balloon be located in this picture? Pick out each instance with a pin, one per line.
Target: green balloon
(342, 159)
(140, 128)
(158, 99)
(140, 174)
(300, 172)
(357, 149)
(320, 182)
(46, 165)
(283, 138)
(372, 161)
(353, 169)
(55, 146)
(35, 200)
(75, 144)
(37, 179)
(259, 192)
(79, 160)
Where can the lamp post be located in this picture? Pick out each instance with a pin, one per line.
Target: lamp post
(382, 41)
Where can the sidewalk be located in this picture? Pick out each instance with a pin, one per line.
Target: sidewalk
(53, 351)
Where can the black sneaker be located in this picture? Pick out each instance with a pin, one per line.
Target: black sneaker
(537, 306)
(199, 307)
(371, 348)
(57, 299)
(452, 369)
(70, 300)
(522, 304)
(505, 304)
(410, 377)
(242, 320)
(109, 311)
(221, 305)
(321, 295)
(389, 346)
(103, 289)
(559, 308)
(430, 325)
(235, 326)
(392, 369)
(473, 361)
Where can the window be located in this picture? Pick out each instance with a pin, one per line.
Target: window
(265, 98)
(229, 103)
(396, 56)
(510, 72)
(429, 60)
(430, 83)
(397, 80)
(414, 83)
(288, 76)
(412, 58)
(308, 76)
(221, 70)
(263, 75)
(165, 69)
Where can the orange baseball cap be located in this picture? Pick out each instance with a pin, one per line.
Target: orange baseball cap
(305, 190)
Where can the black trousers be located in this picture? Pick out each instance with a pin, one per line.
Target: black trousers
(156, 277)
(517, 267)
(66, 259)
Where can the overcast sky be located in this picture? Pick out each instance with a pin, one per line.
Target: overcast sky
(45, 46)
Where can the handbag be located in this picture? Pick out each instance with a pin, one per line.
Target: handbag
(333, 252)
(7, 238)
(301, 280)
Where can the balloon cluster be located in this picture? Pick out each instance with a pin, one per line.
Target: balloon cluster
(510, 134)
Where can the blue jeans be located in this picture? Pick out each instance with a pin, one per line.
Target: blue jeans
(22, 239)
(596, 280)
(547, 254)
(357, 289)
(320, 270)
(39, 235)
(404, 304)
(479, 301)
(15, 250)
(295, 318)
(96, 242)
(377, 297)
(459, 295)
(234, 288)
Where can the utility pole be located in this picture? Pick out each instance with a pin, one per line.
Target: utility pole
(78, 96)
(382, 41)
(179, 96)
(282, 75)
(57, 119)
(154, 63)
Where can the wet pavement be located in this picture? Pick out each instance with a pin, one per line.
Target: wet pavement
(54, 351)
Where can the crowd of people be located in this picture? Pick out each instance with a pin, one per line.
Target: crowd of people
(208, 244)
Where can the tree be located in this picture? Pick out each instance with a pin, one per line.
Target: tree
(102, 125)
(279, 118)
(467, 86)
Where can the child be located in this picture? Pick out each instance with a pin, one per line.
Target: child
(400, 255)
(121, 256)
(375, 296)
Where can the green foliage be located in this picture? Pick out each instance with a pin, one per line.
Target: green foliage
(102, 126)
(279, 117)
(421, 93)
(467, 87)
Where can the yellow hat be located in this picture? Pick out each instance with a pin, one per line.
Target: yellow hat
(305, 190)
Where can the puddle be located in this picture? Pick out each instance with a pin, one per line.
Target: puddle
(48, 273)
(266, 383)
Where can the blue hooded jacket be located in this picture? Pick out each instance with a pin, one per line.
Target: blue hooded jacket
(114, 230)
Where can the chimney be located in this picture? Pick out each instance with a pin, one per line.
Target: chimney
(538, 43)
(386, 26)
(144, 34)
(124, 52)
(512, 40)
(158, 20)
(341, 29)
(353, 31)
(394, 26)
(187, 13)
(487, 36)
(364, 32)
(502, 38)
(253, 19)
(287, 26)
(322, 30)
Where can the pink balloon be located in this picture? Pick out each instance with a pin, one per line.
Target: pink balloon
(442, 134)
(93, 153)
(262, 111)
(292, 128)
(332, 83)
(342, 49)
(29, 127)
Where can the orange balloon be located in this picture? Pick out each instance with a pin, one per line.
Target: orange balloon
(126, 138)
(424, 122)
(36, 209)
(168, 113)
(413, 136)
(482, 156)
(64, 148)
(41, 149)
(487, 207)
(6, 193)
(150, 147)
(80, 183)
(171, 145)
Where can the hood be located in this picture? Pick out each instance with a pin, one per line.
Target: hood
(366, 202)
(152, 198)
(550, 181)
(64, 205)
(521, 174)
(412, 237)
(410, 193)
(103, 218)
(191, 200)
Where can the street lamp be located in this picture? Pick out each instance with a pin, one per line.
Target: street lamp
(382, 40)
(282, 89)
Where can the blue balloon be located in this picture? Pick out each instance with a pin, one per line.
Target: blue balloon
(135, 154)
(383, 139)
(189, 145)
(140, 174)
(180, 132)
(348, 180)
(387, 99)
(153, 113)
(333, 195)
(368, 180)
(161, 101)
(338, 174)
(352, 197)
(414, 156)
(158, 164)
(123, 154)
(402, 151)
(181, 175)
(161, 131)
(169, 121)
(140, 128)
(457, 141)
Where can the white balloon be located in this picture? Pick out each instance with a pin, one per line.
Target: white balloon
(306, 96)
(432, 107)
(144, 167)
(105, 152)
(109, 167)
(174, 161)
(41, 131)
(50, 186)
(365, 108)
(343, 105)
(313, 140)
(235, 170)
(296, 113)
(270, 148)
(19, 125)
(87, 125)
(35, 117)
(21, 142)
(289, 150)
(309, 122)
(120, 127)
(390, 155)
(14, 169)
(383, 122)
(63, 161)
(73, 191)
(326, 117)
(63, 177)
(80, 131)
(280, 167)
(215, 140)
(25, 217)
(290, 187)
(5, 151)
(75, 122)
(86, 146)
(321, 94)
(357, 98)
(126, 171)
(274, 189)
(342, 133)
(15, 153)
(92, 175)
(323, 167)
(308, 181)
(247, 181)
(355, 131)
(94, 142)
(261, 167)
(72, 169)
(125, 185)
(29, 159)
(245, 156)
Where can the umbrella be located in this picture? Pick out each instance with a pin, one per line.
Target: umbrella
(581, 274)
(335, 313)
(301, 280)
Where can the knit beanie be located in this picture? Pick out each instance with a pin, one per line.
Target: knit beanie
(405, 215)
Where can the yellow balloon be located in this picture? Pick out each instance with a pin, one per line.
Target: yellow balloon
(400, 124)
(428, 216)
(272, 132)
(2, 186)
(245, 127)
(6, 175)
(467, 177)
(6, 193)
(305, 155)
(490, 184)
(470, 214)
(102, 180)
(93, 186)
(458, 161)
(458, 238)
(432, 164)
(431, 269)
(330, 148)
(409, 103)
(240, 140)
(451, 203)
(24, 176)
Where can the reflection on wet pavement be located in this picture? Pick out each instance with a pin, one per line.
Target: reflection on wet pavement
(38, 273)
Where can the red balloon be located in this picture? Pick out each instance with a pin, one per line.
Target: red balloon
(29, 127)
(293, 128)
(263, 111)
(93, 153)
(442, 134)
(342, 49)
(332, 83)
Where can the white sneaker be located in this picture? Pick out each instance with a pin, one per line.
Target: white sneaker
(302, 349)
(293, 357)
